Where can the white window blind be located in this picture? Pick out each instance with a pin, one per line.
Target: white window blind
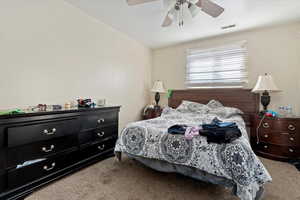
(219, 67)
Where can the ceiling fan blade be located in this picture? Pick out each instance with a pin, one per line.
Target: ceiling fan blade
(167, 21)
(210, 8)
(136, 2)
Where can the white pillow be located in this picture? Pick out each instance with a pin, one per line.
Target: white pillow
(214, 104)
(192, 107)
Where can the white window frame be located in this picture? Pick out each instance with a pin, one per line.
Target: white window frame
(242, 73)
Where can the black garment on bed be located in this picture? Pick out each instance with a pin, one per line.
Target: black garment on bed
(215, 132)
(220, 132)
(177, 129)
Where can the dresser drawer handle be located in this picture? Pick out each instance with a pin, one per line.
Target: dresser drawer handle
(44, 149)
(101, 147)
(266, 147)
(266, 125)
(284, 133)
(100, 121)
(292, 139)
(50, 132)
(49, 168)
(291, 127)
(266, 135)
(291, 150)
(101, 134)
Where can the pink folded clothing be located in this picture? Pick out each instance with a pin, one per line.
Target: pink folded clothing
(191, 132)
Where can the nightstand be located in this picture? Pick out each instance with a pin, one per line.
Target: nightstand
(151, 113)
(276, 138)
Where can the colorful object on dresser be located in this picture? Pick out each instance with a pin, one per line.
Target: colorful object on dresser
(169, 94)
(85, 103)
(12, 112)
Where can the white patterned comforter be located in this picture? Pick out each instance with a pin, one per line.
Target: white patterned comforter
(235, 161)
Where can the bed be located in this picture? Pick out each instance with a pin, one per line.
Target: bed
(232, 165)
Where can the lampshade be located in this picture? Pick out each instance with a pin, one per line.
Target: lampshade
(158, 87)
(265, 83)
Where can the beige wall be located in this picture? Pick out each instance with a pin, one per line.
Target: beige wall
(275, 50)
(51, 52)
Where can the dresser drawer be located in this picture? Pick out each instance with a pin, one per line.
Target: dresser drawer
(20, 154)
(31, 133)
(279, 138)
(98, 148)
(21, 176)
(2, 181)
(98, 119)
(98, 134)
(284, 151)
(288, 126)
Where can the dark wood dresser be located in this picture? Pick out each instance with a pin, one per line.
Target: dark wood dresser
(277, 138)
(39, 147)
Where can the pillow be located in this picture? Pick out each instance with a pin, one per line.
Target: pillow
(214, 104)
(168, 110)
(192, 107)
(225, 112)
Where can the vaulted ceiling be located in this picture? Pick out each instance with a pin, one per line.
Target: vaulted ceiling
(142, 22)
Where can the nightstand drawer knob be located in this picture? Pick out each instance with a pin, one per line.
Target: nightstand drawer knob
(292, 139)
(291, 150)
(266, 147)
(266, 135)
(291, 127)
(266, 125)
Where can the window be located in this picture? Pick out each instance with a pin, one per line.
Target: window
(219, 67)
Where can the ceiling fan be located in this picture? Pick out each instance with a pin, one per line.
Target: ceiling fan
(176, 7)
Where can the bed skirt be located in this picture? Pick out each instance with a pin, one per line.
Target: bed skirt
(194, 173)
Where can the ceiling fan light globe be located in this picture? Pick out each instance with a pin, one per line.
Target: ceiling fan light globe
(194, 10)
(167, 21)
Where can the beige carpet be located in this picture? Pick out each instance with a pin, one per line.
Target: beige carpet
(129, 180)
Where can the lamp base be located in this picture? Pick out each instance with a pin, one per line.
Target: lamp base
(265, 100)
(157, 98)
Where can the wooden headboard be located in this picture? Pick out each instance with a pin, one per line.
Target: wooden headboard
(243, 99)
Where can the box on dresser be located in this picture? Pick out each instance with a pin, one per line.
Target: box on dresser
(40, 147)
(277, 138)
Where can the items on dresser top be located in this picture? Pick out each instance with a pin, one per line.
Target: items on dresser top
(38, 147)
(277, 138)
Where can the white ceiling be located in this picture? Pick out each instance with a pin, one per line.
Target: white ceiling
(142, 22)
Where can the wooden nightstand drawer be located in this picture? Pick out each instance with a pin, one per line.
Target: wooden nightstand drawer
(277, 150)
(279, 138)
(280, 125)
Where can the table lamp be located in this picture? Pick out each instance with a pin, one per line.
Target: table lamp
(158, 87)
(264, 85)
